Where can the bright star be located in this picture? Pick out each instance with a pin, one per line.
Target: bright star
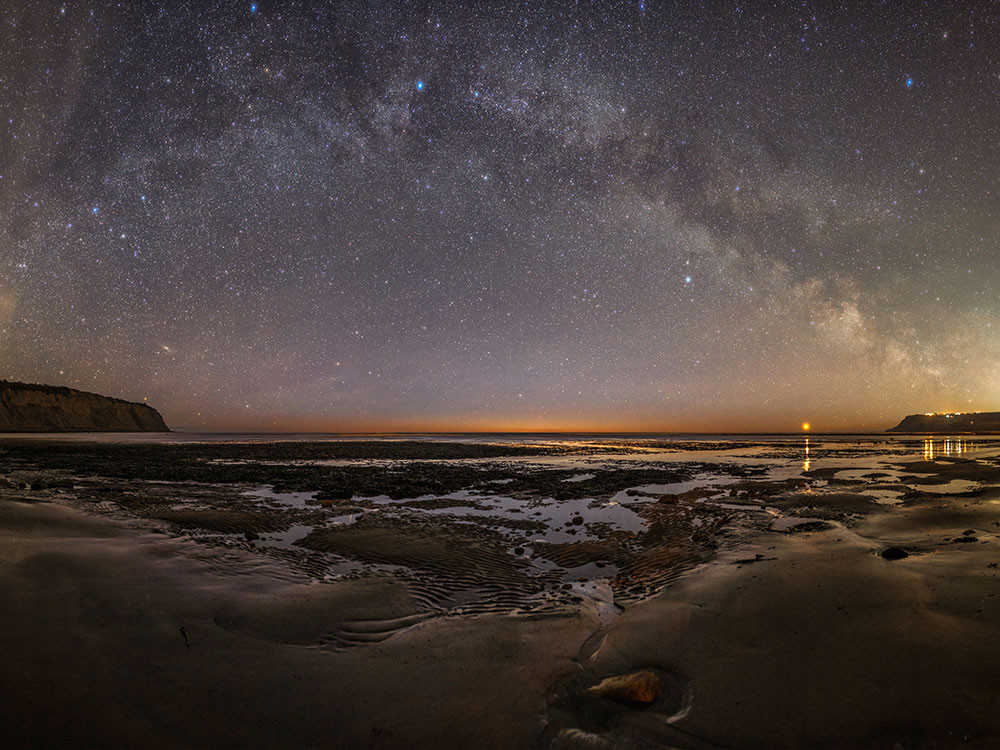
(909, 83)
(94, 210)
(420, 85)
(687, 279)
(253, 7)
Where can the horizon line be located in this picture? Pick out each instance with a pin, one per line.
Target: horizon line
(800, 433)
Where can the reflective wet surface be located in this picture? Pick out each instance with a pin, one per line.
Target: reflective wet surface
(508, 523)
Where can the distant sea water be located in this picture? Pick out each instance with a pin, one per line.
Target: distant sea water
(458, 437)
(656, 446)
(797, 451)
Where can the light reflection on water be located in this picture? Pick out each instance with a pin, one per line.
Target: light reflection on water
(949, 446)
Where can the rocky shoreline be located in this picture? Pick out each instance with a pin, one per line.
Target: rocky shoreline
(649, 603)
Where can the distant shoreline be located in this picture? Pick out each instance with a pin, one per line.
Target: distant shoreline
(180, 437)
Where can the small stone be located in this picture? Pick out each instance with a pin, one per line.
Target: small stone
(251, 536)
(637, 687)
(577, 520)
(894, 553)
(518, 550)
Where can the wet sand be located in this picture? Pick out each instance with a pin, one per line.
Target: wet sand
(94, 653)
(782, 627)
(823, 643)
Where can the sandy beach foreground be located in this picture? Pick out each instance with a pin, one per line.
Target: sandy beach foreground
(118, 631)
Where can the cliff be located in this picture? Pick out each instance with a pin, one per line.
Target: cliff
(983, 421)
(46, 408)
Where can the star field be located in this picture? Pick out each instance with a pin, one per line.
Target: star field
(621, 216)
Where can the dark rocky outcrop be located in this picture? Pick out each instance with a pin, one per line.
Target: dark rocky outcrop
(983, 421)
(894, 553)
(46, 408)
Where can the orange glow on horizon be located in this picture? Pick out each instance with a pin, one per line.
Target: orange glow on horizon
(472, 423)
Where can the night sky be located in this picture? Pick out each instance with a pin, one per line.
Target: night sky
(388, 216)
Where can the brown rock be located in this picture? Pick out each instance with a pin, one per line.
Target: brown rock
(637, 687)
(688, 497)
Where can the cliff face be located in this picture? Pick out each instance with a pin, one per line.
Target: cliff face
(45, 408)
(984, 421)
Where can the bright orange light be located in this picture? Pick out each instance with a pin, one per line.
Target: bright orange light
(805, 426)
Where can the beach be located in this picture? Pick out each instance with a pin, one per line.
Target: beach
(299, 596)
